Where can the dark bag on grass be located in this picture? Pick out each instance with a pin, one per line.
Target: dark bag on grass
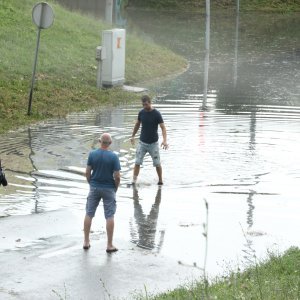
(3, 180)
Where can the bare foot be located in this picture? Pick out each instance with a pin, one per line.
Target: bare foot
(111, 250)
(86, 246)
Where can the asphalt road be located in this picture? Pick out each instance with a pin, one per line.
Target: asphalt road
(42, 258)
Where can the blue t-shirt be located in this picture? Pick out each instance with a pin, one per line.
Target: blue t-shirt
(150, 121)
(103, 163)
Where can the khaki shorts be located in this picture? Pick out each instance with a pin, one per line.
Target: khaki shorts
(152, 149)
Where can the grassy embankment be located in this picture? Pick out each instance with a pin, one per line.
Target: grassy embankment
(277, 278)
(66, 69)
(245, 5)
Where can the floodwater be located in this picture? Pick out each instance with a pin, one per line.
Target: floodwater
(233, 123)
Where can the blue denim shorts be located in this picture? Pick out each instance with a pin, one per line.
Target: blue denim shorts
(152, 149)
(109, 201)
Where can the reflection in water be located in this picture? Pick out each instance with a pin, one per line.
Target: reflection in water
(145, 233)
(250, 209)
(250, 253)
(252, 131)
(35, 190)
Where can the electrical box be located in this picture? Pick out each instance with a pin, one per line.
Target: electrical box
(113, 66)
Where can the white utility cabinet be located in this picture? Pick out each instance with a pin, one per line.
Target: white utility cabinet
(113, 66)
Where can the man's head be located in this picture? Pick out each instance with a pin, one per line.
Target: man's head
(105, 140)
(146, 101)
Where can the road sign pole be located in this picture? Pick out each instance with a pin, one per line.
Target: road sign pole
(34, 69)
(42, 16)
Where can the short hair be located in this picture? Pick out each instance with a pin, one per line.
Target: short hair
(105, 138)
(145, 98)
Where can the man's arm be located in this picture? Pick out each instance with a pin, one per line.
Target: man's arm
(135, 130)
(117, 178)
(164, 143)
(88, 173)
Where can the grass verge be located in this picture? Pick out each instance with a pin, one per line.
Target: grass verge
(66, 69)
(249, 5)
(276, 278)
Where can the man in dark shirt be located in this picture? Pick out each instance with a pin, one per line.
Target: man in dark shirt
(150, 118)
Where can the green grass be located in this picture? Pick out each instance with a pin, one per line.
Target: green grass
(66, 68)
(271, 5)
(257, 5)
(276, 278)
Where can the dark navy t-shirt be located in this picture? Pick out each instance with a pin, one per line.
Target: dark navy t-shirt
(150, 121)
(103, 164)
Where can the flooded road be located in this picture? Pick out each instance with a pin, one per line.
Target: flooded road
(238, 148)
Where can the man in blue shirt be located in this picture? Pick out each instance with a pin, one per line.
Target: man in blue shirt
(150, 118)
(103, 175)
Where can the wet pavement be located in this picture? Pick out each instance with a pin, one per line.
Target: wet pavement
(237, 149)
(42, 258)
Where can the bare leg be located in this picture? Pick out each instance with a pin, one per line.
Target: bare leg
(159, 173)
(110, 223)
(136, 171)
(86, 228)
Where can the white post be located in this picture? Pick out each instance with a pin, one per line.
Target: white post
(99, 75)
(100, 56)
(109, 11)
(207, 45)
(236, 43)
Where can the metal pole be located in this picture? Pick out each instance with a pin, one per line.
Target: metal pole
(99, 74)
(44, 5)
(109, 11)
(236, 44)
(33, 72)
(207, 46)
